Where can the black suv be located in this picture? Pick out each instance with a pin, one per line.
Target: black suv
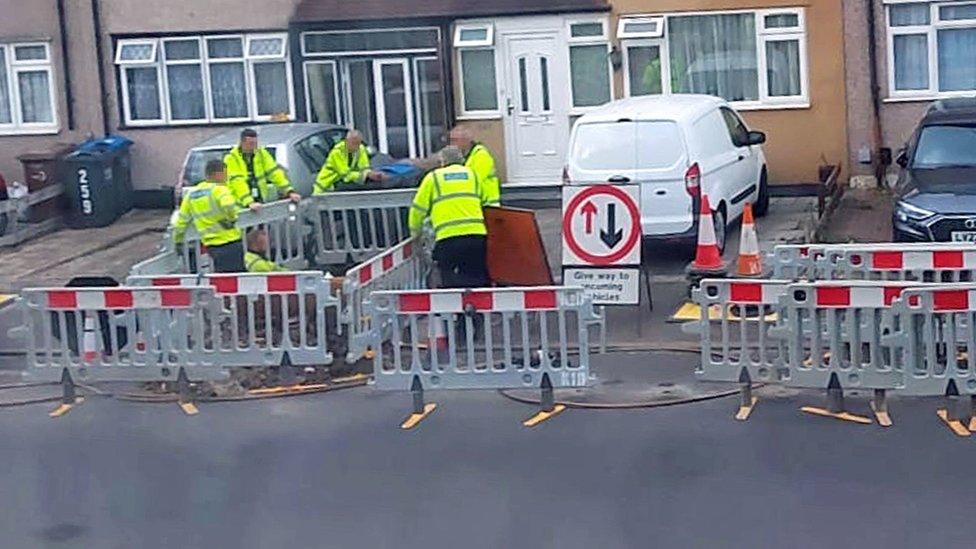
(936, 189)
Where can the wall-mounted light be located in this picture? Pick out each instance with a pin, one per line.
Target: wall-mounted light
(616, 58)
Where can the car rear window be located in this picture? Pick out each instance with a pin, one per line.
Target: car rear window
(196, 164)
(946, 146)
(627, 145)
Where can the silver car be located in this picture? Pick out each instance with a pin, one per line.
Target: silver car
(300, 148)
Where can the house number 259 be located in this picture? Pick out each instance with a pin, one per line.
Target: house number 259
(84, 189)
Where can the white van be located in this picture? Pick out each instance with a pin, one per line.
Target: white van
(676, 147)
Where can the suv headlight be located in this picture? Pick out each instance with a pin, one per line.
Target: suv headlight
(905, 212)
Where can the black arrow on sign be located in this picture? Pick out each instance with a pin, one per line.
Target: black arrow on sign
(612, 236)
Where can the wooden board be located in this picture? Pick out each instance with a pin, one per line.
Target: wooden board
(516, 255)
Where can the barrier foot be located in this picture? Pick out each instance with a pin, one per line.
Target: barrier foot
(746, 400)
(835, 405)
(953, 414)
(68, 396)
(879, 405)
(420, 409)
(548, 408)
(286, 373)
(186, 394)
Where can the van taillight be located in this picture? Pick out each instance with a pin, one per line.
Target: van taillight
(566, 180)
(693, 181)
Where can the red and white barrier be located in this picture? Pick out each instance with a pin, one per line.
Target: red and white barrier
(486, 300)
(116, 298)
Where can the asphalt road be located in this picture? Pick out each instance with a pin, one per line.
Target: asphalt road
(334, 470)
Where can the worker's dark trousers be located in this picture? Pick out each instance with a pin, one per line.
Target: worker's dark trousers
(462, 261)
(228, 258)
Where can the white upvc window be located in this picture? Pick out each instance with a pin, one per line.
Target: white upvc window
(474, 43)
(755, 59)
(205, 79)
(591, 76)
(27, 100)
(930, 49)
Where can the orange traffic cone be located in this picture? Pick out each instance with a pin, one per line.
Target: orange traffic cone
(707, 258)
(89, 353)
(750, 262)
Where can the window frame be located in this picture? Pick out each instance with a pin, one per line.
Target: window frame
(931, 32)
(14, 68)
(763, 36)
(336, 94)
(477, 114)
(206, 62)
(584, 41)
(488, 41)
(660, 21)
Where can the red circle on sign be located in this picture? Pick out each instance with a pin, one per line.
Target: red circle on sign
(601, 260)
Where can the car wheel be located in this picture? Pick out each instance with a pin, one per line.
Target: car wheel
(761, 207)
(721, 224)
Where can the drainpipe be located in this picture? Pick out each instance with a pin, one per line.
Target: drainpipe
(66, 66)
(883, 156)
(99, 59)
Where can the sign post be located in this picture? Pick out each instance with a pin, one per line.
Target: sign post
(602, 242)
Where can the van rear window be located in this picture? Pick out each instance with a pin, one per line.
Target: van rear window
(627, 145)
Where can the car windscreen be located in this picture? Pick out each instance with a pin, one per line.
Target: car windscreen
(946, 146)
(196, 164)
(627, 145)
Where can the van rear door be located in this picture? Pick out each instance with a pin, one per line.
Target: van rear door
(650, 153)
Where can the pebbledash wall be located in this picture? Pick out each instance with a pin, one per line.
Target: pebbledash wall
(829, 119)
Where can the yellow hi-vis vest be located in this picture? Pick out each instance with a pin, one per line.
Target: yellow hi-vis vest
(270, 180)
(453, 198)
(256, 263)
(212, 209)
(339, 169)
(480, 160)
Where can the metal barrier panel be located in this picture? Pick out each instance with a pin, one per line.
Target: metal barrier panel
(482, 338)
(119, 334)
(265, 317)
(838, 328)
(403, 267)
(934, 333)
(168, 262)
(736, 319)
(353, 226)
(943, 263)
(794, 262)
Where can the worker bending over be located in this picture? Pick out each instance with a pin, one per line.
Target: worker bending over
(256, 257)
(347, 164)
(253, 174)
(211, 207)
(453, 198)
(479, 159)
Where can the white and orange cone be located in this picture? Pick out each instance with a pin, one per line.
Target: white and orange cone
(750, 261)
(707, 257)
(89, 351)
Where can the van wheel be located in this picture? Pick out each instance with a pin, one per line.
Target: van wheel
(761, 207)
(720, 221)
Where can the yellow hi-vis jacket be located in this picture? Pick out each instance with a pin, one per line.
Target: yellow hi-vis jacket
(342, 167)
(480, 160)
(212, 209)
(270, 181)
(453, 199)
(256, 263)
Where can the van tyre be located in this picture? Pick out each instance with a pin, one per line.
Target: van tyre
(720, 221)
(761, 207)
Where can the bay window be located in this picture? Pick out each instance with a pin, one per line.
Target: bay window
(930, 49)
(204, 79)
(27, 102)
(754, 59)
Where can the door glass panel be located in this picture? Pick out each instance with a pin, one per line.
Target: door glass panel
(431, 99)
(322, 93)
(644, 70)
(523, 85)
(361, 104)
(394, 97)
(544, 70)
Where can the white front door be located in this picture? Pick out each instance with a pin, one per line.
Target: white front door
(536, 108)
